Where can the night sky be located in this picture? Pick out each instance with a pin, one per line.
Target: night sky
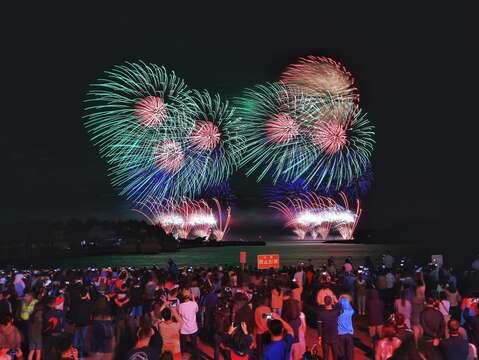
(416, 70)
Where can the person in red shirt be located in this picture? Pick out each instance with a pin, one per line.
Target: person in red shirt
(261, 322)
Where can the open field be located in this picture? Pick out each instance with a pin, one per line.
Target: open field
(291, 252)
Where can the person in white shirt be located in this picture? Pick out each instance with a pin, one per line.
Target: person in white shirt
(404, 307)
(189, 329)
(298, 276)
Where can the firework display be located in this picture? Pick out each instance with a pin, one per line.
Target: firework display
(187, 218)
(166, 145)
(345, 143)
(215, 137)
(133, 101)
(326, 141)
(319, 216)
(319, 75)
(131, 116)
(276, 144)
(159, 138)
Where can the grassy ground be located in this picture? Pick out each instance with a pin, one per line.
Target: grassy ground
(291, 252)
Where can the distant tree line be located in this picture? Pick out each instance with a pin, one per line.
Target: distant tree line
(26, 240)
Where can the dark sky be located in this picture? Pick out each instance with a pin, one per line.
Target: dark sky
(416, 69)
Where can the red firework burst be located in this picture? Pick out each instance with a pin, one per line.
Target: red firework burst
(205, 135)
(281, 128)
(330, 136)
(169, 155)
(151, 111)
(315, 74)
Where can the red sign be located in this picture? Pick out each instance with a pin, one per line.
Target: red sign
(242, 257)
(268, 261)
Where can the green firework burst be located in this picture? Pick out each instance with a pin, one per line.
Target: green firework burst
(272, 121)
(326, 140)
(215, 134)
(132, 116)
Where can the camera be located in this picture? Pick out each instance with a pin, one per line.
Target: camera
(268, 316)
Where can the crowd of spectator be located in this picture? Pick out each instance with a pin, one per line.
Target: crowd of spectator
(407, 312)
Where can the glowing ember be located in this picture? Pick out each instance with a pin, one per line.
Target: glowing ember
(169, 156)
(330, 136)
(151, 111)
(205, 135)
(281, 128)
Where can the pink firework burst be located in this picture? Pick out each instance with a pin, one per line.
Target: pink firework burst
(281, 128)
(205, 135)
(330, 136)
(169, 155)
(151, 111)
(319, 74)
